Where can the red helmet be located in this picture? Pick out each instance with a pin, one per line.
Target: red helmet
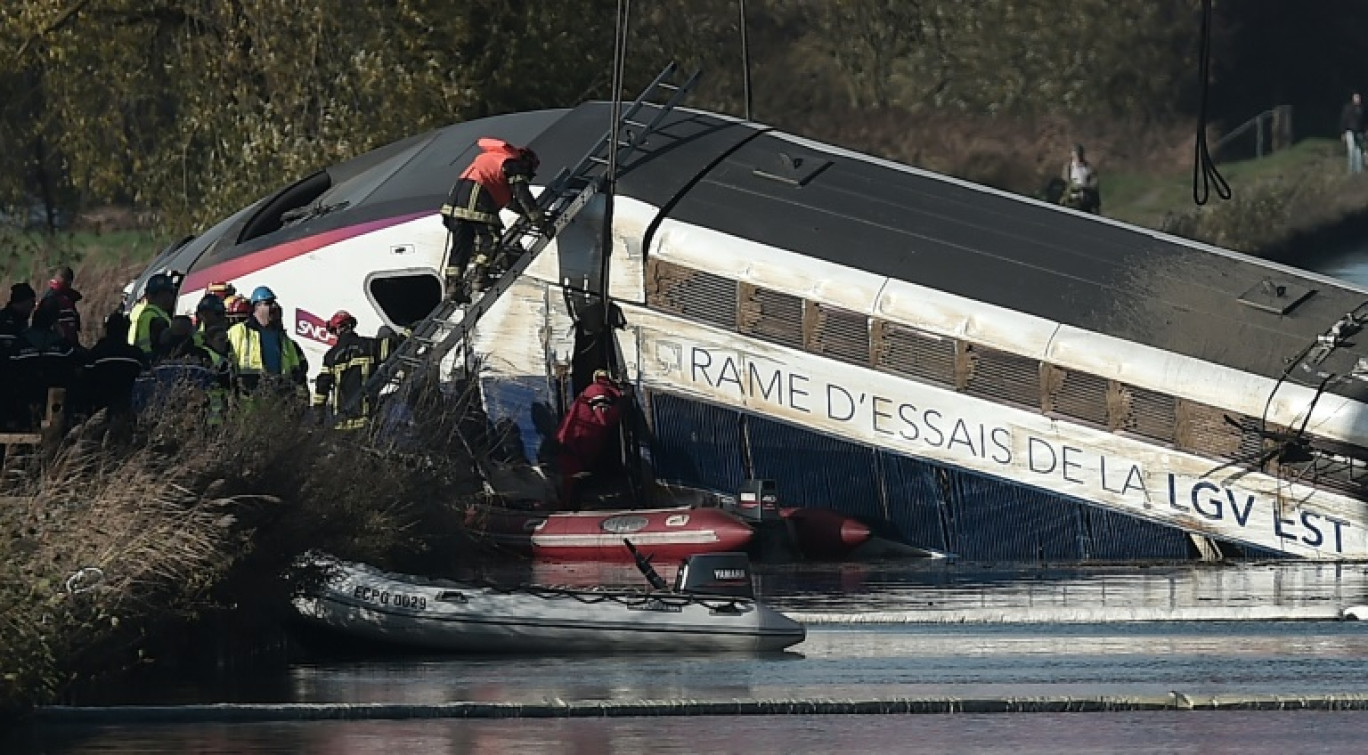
(338, 320)
(238, 306)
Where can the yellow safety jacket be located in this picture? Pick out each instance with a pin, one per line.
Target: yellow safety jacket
(140, 334)
(245, 343)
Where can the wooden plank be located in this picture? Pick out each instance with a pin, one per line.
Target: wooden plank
(20, 439)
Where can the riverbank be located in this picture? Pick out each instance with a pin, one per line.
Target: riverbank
(114, 544)
(1292, 206)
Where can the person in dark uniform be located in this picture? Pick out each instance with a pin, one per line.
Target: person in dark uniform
(112, 367)
(499, 176)
(14, 320)
(347, 366)
(41, 359)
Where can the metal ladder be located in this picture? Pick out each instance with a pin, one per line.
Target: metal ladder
(450, 324)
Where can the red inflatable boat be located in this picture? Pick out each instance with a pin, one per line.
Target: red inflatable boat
(668, 534)
(824, 534)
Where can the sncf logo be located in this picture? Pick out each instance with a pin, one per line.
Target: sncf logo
(312, 327)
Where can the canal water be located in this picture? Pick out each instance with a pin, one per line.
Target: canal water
(929, 642)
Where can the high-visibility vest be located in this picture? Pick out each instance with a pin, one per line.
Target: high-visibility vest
(218, 393)
(140, 334)
(245, 343)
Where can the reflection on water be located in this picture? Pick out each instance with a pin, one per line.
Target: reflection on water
(851, 661)
(932, 588)
(1349, 265)
(1247, 733)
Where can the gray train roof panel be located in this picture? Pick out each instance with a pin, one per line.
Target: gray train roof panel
(744, 179)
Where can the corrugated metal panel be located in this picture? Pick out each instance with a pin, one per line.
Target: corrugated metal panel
(770, 315)
(815, 471)
(1204, 430)
(1001, 376)
(521, 412)
(916, 503)
(696, 443)
(1113, 536)
(1076, 395)
(913, 353)
(997, 520)
(691, 293)
(837, 333)
(1147, 413)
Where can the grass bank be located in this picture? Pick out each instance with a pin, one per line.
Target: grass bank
(113, 545)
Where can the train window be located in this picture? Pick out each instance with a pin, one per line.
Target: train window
(405, 297)
(270, 218)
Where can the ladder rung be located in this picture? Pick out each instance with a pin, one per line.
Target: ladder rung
(638, 124)
(667, 85)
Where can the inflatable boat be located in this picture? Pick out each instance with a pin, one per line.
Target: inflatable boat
(711, 609)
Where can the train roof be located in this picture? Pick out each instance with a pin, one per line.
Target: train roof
(753, 182)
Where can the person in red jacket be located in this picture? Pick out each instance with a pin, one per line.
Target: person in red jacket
(61, 298)
(585, 431)
(499, 176)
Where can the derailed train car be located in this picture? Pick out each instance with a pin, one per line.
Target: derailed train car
(995, 377)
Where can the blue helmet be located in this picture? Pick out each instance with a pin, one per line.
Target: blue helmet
(261, 294)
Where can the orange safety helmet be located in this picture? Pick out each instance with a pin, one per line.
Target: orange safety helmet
(222, 290)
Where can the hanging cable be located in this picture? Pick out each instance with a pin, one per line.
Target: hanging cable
(745, 62)
(615, 139)
(1204, 172)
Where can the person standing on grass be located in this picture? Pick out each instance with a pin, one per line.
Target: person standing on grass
(14, 318)
(1351, 126)
(339, 390)
(151, 316)
(62, 298)
(112, 366)
(262, 350)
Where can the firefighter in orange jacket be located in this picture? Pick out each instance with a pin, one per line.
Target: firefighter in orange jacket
(497, 177)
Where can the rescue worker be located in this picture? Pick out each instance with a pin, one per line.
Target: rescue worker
(61, 297)
(221, 362)
(262, 351)
(209, 313)
(588, 426)
(150, 316)
(112, 366)
(1081, 192)
(499, 176)
(14, 318)
(41, 359)
(181, 373)
(338, 389)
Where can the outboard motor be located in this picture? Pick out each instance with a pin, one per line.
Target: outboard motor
(758, 501)
(726, 574)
